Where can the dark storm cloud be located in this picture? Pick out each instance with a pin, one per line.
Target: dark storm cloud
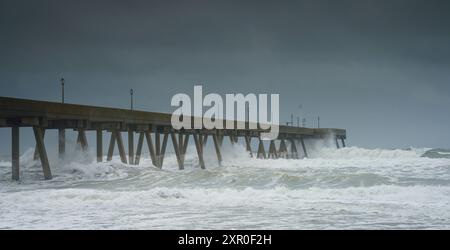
(363, 65)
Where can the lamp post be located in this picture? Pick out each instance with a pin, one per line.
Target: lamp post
(62, 89)
(62, 131)
(131, 98)
(300, 114)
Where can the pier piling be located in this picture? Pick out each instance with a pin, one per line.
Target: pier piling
(261, 151)
(176, 147)
(131, 147)
(61, 143)
(282, 152)
(294, 153)
(199, 148)
(151, 147)
(15, 146)
(112, 144)
(304, 147)
(272, 150)
(99, 134)
(82, 140)
(36, 152)
(217, 148)
(137, 158)
(248, 146)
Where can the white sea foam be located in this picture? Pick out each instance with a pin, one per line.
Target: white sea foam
(346, 188)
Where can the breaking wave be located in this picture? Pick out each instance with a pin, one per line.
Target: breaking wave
(334, 188)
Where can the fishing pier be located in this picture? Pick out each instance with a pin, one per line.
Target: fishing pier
(151, 127)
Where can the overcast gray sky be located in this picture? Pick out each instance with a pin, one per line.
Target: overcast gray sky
(380, 69)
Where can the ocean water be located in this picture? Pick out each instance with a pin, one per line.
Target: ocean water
(347, 188)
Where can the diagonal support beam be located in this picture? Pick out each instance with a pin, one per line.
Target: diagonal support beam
(139, 148)
(184, 148)
(248, 144)
(82, 140)
(36, 152)
(151, 147)
(294, 152)
(273, 150)
(198, 146)
(304, 147)
(176, 147)
(261, 151)
(112, 143)
(282, 152)
(163, 150)
(39, 136)
(123, 156)
(217, 148)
